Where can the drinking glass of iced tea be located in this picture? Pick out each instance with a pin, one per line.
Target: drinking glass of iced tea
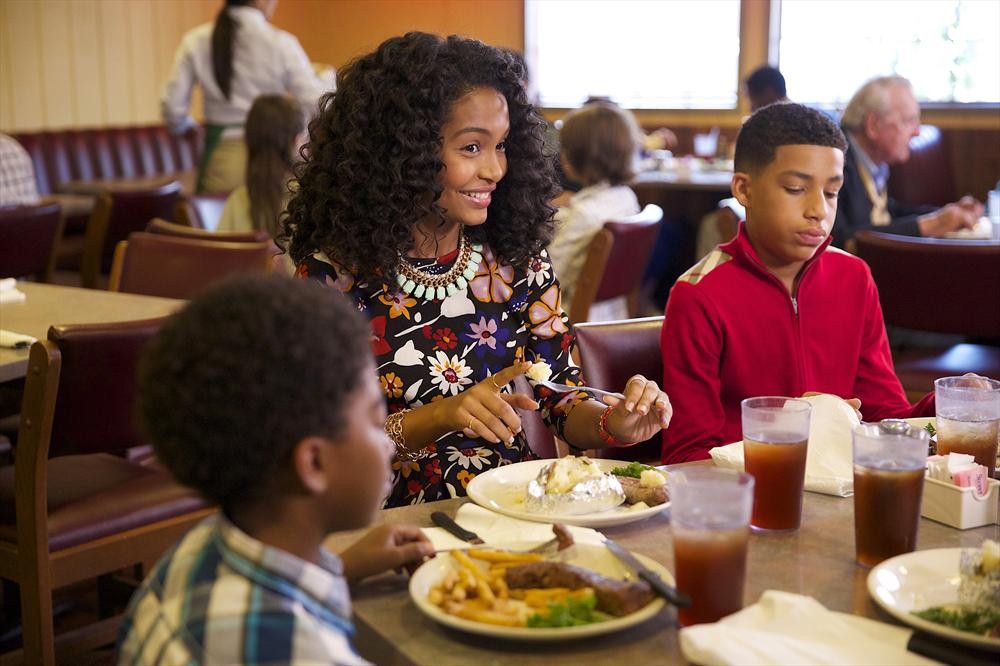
(775, 440)
(889, 461)
(709, 514)
(968, 418)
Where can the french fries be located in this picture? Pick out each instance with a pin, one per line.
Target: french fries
(480, 593)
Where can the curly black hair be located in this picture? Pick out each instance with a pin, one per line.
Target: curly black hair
(372, 164)
(242, 374)
(783, 124)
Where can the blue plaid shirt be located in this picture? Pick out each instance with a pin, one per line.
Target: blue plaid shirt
(222, 597)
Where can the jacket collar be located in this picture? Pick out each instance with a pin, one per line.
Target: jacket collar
(741, 248)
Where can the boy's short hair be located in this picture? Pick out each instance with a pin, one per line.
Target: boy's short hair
(766, 78)
(599, 140)
(783, 124)
(242, 374)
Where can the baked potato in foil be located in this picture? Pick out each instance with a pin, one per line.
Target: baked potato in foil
(571, 486)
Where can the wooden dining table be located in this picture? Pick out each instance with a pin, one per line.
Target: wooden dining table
(46, 305)
(815, 560)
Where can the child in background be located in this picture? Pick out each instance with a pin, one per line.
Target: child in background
(262, 395)
(599, 144)
(776, 311)
(275, 131)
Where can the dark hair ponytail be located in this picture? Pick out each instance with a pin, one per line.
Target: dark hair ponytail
(223, 36)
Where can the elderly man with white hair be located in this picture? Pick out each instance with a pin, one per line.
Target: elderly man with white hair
(879, 122)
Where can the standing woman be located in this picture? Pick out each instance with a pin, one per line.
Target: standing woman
(424, 198)
(235, 60)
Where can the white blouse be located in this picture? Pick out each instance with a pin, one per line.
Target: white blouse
(266, 61)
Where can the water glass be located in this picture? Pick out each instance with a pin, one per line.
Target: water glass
(968, 418)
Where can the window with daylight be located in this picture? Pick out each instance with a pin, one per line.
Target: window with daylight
(682, 54)
(948, 49)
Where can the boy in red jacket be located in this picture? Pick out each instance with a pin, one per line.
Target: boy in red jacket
(776, 311)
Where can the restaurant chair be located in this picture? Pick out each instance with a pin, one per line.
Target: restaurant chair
(941, 286)
(616, 262)
(73, 507)
(28, 238)
(541, 441)
(173, 267)
(610, 353)
(178, 230)
(927, 177)
(116, 215)
(200, 211)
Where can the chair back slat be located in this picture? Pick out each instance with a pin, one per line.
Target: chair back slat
(165, 228)
(28, 236)
(95, 402)
(944, 286)
(175, 267)
(613, 351)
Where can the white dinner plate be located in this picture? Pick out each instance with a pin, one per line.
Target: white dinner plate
(590, 556)
(502, 489)
(920, 580)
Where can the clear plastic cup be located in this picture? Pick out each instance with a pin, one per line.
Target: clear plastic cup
(889, 462)
(775, 443)
(709, 518)
(968, 418)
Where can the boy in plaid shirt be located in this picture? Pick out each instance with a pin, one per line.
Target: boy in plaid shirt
(262, 394)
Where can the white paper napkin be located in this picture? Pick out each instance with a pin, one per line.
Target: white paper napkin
(785, 628)
(495, 528)
(9, 293)
(830, 461)
(12, 340)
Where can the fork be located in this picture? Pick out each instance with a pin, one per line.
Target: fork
(566, 388)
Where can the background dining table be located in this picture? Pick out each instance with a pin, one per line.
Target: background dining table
(46, 305)
(816, 560)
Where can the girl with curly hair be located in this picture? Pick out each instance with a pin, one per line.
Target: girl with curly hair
(424, 198)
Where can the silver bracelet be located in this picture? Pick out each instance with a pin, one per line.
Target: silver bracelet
(394, 428)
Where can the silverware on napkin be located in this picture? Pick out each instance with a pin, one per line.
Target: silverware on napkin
(659, 586)
(443, 520)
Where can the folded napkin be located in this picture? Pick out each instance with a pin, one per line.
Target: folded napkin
(830, 460)
(785, 628)
(495, 528)
(12, 340)
(9, 293)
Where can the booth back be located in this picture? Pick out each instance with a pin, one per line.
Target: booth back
(61, 156)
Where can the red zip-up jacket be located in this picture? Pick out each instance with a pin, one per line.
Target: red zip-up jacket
(732, 331)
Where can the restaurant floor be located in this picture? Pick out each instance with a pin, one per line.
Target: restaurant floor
(75, 606)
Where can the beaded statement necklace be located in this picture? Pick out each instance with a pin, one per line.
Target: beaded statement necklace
(431, 287)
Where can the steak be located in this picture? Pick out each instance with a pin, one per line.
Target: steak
(615, 597)
(635, 492)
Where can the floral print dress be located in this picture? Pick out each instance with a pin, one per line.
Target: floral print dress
(431, 350)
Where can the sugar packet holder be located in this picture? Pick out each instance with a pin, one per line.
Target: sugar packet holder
(965, 506)
(961, 470)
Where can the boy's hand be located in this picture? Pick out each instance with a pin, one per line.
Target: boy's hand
(383, 548)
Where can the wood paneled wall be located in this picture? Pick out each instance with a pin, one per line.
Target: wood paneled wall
(86, 63)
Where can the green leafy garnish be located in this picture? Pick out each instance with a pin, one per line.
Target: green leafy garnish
(982, 621)
(634, 470)
(930, 428)
(574, 612)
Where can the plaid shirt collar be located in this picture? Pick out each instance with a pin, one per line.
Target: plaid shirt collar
(321, 588)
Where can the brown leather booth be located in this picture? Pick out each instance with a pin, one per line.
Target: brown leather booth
(103, 153)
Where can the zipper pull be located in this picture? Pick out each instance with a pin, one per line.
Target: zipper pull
(795, 306)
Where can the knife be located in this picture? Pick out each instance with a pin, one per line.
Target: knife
(445, 521)
(949, 652)
(668, 592)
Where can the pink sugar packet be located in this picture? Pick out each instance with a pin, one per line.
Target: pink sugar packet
(973, 476)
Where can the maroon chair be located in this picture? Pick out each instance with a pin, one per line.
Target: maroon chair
(73, 507)
(616, 262)
(28, 237)
(540, 439)
(201, 211)
(942, 286)
(177, 230)
(116, 215)
(613, 351)
(173, 267)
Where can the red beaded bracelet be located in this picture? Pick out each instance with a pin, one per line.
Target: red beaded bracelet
(607, 437)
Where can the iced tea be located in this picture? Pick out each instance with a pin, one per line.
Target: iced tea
(711, 568)
(975, 438)
(779, 468)
(886, 510)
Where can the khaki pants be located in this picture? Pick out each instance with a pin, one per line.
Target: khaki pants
(226, 168)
